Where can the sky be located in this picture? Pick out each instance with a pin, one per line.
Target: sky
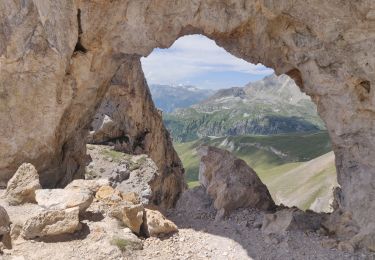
(197, 60)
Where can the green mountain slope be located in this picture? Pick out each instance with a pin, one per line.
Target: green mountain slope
(273, 105)
(283, 162)
(308, 186)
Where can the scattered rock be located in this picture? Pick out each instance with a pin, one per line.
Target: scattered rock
(64, 198)
(131, 197)
(92, 185)
(194, 201)
(329, 243)
(131, 215)
(109, 195)
(22, 186)
(119, 174)
(341, 224)
(52, 223)
(230, 182)
(345, 246)
(291, 219)
(126, 240)
(156, 224)
(365, 239)
(15, 231)
(257, 224)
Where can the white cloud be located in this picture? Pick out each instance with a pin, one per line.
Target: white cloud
(191, 56)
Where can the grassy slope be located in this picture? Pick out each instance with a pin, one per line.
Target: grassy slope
(282, 174)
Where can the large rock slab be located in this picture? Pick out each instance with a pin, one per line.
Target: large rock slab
(22, 186)
(52, 223)
(64, 198)
(230, 182)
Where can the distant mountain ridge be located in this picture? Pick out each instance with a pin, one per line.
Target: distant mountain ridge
(273, 105)
(169, 98)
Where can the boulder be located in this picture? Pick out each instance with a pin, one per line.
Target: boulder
(52, 223)
(22, 186)
(4, 221)
(289, 219)
(92, 185)
(64, 198)
(230, 182)
(155, 224)
(4, 228)
(130, 214)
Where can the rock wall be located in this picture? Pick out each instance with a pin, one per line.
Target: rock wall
(57, 59)
(127, 117)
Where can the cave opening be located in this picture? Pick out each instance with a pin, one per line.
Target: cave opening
(209, 97)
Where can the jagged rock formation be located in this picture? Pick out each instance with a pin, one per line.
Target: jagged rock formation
(128, 118)
(57, 59)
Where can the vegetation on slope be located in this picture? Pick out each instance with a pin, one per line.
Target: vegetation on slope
(283, 162)
(273, 105)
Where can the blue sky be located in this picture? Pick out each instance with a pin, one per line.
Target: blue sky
(197, 60)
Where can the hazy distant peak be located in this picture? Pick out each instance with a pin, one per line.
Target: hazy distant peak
(171, 97)
(228, 92)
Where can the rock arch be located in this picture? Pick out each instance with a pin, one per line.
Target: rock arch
(49, 88)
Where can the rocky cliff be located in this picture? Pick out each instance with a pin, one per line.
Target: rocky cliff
(57, 59)
(128, 118)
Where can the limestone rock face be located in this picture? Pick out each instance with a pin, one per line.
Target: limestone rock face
(22, 186)
(52, 223)
(128, 118)
(64, 198)
(230, 182)
(156, 224)
(58, 58)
